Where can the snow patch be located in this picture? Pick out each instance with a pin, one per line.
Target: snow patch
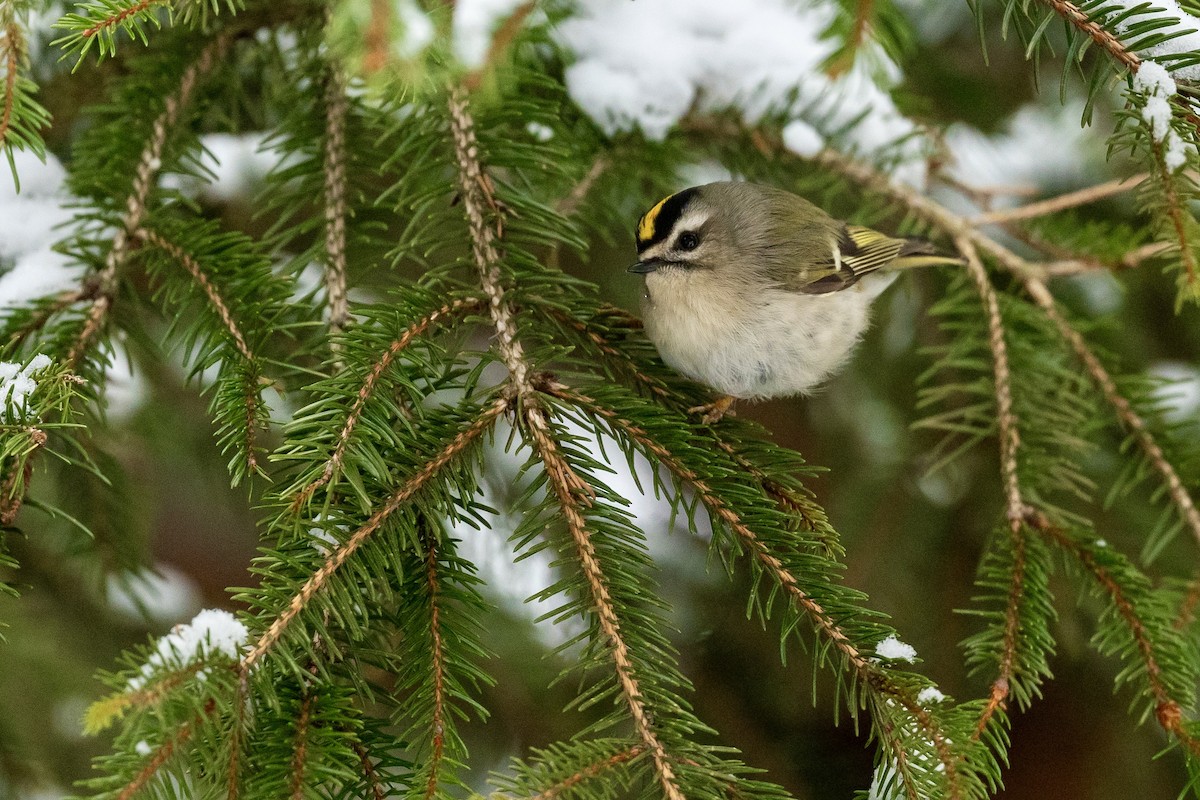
(212, 632)
(896, 650)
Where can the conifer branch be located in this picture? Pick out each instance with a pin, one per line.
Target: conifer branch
(300, 748)
(1167, 710)
(335, 198)
(606, 347)
(1096, 32)
(1061, 202)
(828, 628)
(437, 651)
(115, 20)
(400, 497)
(368, 770)
(1002, 683)
(193, 267)
(476, 190)
(163, 753)
(147, 170)
(590, 771)
(13, 52)
(1010, 437)
(104, 712)
(1130, 419)
(41, 316)
(1177, 215)
(447, 313)
(572, 492)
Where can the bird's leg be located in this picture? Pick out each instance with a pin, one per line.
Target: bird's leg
(714, 411)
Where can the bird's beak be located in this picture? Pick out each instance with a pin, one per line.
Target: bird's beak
(643, 267)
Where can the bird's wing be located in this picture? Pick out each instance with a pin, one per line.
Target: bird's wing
(857, 251)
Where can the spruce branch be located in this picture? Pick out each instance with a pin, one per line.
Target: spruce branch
(590, 771)
(1128, 416)
(476, 191)
(1010, 438)
(148, 166)
(369, 772)
(437, 720)
(571, 202)
(573, 492)
(300, 747)
(335, 198)
(868, 670)
(193, 267)
(448, 313)
(400, 497)
(163, 753)
(1168, 710)
(1096, 32)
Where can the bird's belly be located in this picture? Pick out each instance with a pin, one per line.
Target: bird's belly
(787, 344)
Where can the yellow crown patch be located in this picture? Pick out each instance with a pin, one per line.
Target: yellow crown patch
(645, 229)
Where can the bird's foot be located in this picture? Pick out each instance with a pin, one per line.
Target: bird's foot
(713, 412)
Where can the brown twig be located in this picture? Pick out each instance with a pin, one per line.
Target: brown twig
(1187, 607)
(1107, 42)
(1060, 203)
(335, 199)
(450, 310)
(148, 167)
(1176, 214)
(400, 497)
(590, 771)
(437, 724)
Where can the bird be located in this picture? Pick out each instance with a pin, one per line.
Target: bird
(756, 292)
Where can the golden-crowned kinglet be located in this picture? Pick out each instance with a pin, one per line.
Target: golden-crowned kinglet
(756, 292)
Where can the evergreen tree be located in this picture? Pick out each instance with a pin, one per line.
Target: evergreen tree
(399, 360)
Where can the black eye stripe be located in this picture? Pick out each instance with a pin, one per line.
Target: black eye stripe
(672, 209)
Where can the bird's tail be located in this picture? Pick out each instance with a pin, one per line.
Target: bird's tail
(920, 253)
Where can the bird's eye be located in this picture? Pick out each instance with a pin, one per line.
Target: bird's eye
(687, 241)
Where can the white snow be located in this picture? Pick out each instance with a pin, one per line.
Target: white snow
(417, 27)
(893, 648)
(930, 694)
(29, 227)
(802, 139)
(1156, 87)
(644, 65)
(143, 748)
(540, 132)
(17, 383)
(212, 632)
(235, 163)
(163, 595)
